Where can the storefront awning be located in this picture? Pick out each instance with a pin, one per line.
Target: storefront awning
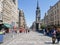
(7, 25)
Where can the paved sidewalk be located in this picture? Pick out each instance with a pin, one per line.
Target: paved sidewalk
(8, 37)
(32, 38)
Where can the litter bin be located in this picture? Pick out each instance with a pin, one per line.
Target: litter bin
(1, 37)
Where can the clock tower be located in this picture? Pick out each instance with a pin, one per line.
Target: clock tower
(37, 17)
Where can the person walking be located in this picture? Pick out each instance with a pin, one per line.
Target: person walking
(53, 35)
(26, 30)
(44, 31)
(58, 35)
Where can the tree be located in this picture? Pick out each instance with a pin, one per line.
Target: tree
(43, 26)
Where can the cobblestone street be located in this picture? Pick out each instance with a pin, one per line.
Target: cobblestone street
(32, 38)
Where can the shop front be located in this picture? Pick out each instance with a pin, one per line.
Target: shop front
(6, 27)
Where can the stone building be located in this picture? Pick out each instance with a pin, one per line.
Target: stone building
(53, 15)
(9, 13)
(36, 26)
(22, 22)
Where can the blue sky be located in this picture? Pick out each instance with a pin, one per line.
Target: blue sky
(29, 8)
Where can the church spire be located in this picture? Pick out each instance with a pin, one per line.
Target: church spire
(38, 16)
(37, 4)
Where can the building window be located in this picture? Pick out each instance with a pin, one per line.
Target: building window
(14, 1)
(58, 17)
(55, 17)
(55, 12)
(55, 7)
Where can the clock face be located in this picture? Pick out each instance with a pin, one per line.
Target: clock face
(38, 14)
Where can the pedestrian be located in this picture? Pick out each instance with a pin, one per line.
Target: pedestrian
(47, 31)
(53, 32)
(28, 30)
(3, 31)
(58, 35)
(44, 31)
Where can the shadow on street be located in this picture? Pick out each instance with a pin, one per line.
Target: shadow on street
(48, 42)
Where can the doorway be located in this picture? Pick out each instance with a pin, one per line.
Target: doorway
(37, 26)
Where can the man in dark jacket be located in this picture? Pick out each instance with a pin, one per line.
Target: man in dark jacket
(58, 35)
